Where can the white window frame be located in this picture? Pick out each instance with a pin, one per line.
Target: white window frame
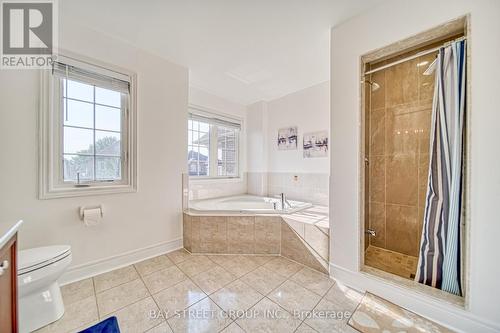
(204, 112)
(50, 150)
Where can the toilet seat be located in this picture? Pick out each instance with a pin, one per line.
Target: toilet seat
(33, 259)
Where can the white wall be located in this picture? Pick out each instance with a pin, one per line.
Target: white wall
(218, 104)
(257, 148)
(309, 110)
(383, 25)
(271, 171)
(204, 189)
(257, 137)
(138, 224)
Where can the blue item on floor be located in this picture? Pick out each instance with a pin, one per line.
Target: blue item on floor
(109, 325)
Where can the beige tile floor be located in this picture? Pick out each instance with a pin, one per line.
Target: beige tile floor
(181, 292)
(392, 262)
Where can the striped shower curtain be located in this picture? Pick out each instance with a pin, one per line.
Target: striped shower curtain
(439, 262)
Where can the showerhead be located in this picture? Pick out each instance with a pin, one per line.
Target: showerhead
(375, 85)
(432, 67)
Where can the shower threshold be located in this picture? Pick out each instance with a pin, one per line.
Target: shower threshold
(391, 262)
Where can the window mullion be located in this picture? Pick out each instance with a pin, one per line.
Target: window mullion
(93, 131)
(213, 150)
(66, 99)
(224, 154)
(237, 152)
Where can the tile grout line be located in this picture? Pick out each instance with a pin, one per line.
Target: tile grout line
(174, 264)
(326, 277)
(237, 278)
(198, 301)
(319, 301)
(130, 304)
(87, 323)
(95, 297)
(281, 284)
(322, 297)
(225, 270)
(304, 265)
(152, 295)
(133, 266)
(231, 320)
(187, 278)
(120, 284)
(95, 293)
(246, 272)
(154, 300)
(249, 287)
(127, 305)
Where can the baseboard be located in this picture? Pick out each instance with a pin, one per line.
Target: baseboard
(446, 314)
(80, 272)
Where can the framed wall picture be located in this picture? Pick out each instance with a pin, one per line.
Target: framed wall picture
(316, 144)
(287, 138)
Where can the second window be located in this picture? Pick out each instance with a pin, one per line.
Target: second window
(213, 146)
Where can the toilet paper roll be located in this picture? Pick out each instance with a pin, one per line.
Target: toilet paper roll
(92, 217)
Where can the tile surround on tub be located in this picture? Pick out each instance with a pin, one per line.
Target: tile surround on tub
(308, 187)
(267, 234)
(297, 249)
(257, 183)
(241, 234)
(212, 188)
(212, 235)
(295, 236)
(185, 191)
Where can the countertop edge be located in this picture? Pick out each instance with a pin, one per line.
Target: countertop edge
(7, 230)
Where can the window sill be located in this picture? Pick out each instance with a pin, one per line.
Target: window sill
(69, 192)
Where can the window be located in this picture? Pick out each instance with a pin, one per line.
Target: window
(87, 130)
(198, 148)
(227, 153)
(92, 132)
(213, 146)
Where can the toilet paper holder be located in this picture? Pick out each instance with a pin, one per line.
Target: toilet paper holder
(91, 207)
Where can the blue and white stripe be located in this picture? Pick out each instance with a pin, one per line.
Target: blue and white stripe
(440, 247)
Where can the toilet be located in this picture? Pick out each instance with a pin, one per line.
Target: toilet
(40, 300)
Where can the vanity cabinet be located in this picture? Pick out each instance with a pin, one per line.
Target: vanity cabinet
(8, 286)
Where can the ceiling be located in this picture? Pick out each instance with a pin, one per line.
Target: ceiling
(241, 50)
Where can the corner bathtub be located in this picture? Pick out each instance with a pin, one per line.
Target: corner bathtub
(245, 204)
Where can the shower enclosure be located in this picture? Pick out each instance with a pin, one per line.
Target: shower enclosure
(397, 111)
(398, 117)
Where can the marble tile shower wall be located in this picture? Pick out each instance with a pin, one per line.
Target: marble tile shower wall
(399, 117)
(309, 187)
